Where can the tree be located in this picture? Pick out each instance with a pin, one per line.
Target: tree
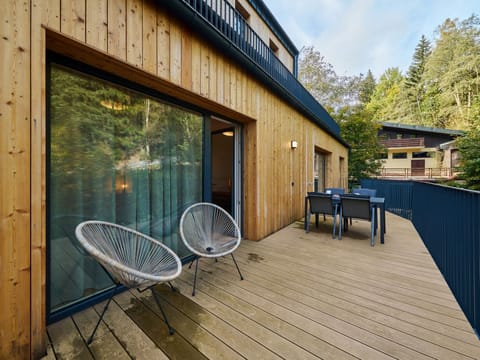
(417, 68)
(470, 151)
(320, 79)
(384, 103)
(366, 88)
(414, 88)
(452, 74)
(359, 130)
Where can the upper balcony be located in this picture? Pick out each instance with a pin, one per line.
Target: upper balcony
(404, 143)
(225, 27)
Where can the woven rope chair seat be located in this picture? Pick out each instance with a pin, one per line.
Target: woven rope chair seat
(209, 231)
(132, 258)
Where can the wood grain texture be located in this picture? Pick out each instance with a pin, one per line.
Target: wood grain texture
(303, 296)
(149, 37)
(38, 180)
(73, 18)
(117, 29)
(15, 329)
(97, 23)
(135, 33)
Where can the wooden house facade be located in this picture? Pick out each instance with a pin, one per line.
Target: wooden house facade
(129, 110)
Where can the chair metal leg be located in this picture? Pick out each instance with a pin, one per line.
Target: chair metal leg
(342, 221)
(308, 223)
(373, 231)
(194, 258)
(233, 257)
(89, 340)
(334, 222)
(195, 278)
(174, 289)
(157, 300)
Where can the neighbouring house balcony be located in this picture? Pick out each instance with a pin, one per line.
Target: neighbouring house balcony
(418, 173)
(403, 143)
(305, 296)
(226, 28)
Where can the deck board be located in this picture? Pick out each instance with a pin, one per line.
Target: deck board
(304, 296)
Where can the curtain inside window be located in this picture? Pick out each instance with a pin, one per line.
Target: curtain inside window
(119, 156)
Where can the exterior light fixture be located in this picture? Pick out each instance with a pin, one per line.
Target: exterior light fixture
(227, 133)
(293, 144)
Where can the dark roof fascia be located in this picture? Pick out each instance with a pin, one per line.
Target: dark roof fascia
(423, 129)
(273, 24)
(198, 22)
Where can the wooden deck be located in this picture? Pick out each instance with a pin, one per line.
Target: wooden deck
(305, 296)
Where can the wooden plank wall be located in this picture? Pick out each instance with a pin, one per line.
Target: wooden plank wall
(143, 35)
(15, 180)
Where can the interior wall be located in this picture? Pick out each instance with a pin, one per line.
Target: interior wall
(222, 163)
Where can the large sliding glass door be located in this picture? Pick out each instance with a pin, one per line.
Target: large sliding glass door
(115, 155)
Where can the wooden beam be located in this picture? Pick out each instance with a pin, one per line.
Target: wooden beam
(86, 54)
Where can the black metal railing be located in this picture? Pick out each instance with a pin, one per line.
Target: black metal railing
(448, 221)
(229, 23)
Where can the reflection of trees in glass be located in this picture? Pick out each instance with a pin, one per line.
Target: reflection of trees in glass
(95, 125)
(98, 129)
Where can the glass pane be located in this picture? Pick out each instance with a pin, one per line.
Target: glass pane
(119, 156)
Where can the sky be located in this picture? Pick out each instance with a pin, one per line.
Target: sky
(357, 35)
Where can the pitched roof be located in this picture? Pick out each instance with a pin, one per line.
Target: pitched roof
(423, 129)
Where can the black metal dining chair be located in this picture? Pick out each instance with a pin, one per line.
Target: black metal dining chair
(358, 207)
(320, 203)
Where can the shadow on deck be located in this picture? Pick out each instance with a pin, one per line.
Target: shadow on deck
(305, 296)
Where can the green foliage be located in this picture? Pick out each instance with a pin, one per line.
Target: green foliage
(469, 147)
(417, 68)
(385, 101)
(360, 132)
(320, 79)
(366, 88)
(98, 126)
(452, 74)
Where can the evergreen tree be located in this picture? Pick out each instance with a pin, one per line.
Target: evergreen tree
(366, 88)
(417, 68)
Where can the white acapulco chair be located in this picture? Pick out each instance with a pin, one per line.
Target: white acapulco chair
(130, 258)
(209, 231)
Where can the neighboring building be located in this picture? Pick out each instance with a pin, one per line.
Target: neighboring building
(128, 111)
(416, 151)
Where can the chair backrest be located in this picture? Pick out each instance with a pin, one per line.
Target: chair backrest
(320, 203)
(356, 206)
(208, 230)
(335, 191)
(364, 191)
(132, 258)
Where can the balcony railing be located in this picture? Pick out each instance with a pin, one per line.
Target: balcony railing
(396, 143)
(423, 173)
(446, 219)
(229, 23)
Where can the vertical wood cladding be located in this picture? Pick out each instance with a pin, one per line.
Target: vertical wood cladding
(142, 34)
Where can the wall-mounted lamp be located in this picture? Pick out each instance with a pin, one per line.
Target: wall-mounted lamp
(293, 144)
